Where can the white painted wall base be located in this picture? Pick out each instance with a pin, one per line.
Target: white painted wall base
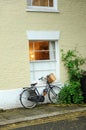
(9, 99)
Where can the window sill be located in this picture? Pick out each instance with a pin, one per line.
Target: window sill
(38, 61)
(31, 9)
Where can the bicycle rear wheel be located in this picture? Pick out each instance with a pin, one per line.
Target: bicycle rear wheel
(24, 99)
(53, 94)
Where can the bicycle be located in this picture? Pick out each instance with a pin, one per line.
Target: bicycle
(30, 96)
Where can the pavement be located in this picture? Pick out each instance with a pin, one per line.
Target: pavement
(41, 111)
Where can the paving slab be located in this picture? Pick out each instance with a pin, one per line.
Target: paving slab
(40, 111)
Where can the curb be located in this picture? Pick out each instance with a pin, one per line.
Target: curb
(40, 116)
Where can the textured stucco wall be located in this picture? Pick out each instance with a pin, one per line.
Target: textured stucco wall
(14, 67)
(73, 28)
(15, 21)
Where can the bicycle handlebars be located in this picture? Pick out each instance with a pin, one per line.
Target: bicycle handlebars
(42, 78)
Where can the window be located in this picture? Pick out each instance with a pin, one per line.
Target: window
(43, 53)
(48, 3)
(42, 5)
(42, 50)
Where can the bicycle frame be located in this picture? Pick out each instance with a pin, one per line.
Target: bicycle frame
(31, 96)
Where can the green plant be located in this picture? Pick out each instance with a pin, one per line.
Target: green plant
(73, 62)
(71, 92)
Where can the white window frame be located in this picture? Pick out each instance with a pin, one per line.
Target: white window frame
(44, 9)
(50, 36)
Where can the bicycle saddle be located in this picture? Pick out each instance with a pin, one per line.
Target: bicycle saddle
(33, 84)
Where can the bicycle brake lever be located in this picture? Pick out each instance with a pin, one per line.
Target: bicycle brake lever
(41, 78)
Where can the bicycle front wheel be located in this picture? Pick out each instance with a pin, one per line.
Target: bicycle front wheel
(53, 94)
(24, 99)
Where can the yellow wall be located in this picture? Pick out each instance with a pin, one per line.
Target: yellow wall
(15, 21)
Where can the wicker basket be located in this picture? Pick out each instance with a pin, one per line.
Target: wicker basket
(51, 78)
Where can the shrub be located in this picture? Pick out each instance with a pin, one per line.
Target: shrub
(71, 92)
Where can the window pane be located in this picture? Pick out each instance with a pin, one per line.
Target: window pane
(31, 51)
(52, 50)
(40, 2)
(36, 2)
(42, 50)
(39, 50)
(51, 3)
(44, 2)
(48, 3)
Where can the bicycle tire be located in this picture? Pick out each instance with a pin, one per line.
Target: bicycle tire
(24, 96)
(53, 94)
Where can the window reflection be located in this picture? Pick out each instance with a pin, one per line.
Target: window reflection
(42, 2)
(39, 50)
(42, 50)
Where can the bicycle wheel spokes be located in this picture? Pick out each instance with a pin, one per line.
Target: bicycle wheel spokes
(24, 99)
(53, 94)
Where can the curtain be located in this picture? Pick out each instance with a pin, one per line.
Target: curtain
(52, 50)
